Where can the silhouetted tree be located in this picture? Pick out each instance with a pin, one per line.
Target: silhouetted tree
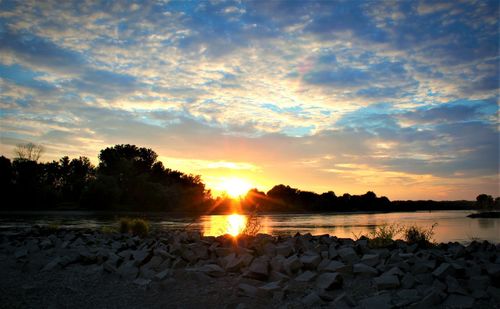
(485, 202)
(29, 151)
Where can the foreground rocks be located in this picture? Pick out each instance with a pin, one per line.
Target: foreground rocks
(293, 271)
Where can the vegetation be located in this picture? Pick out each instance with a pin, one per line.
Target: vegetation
(136, 226)
(419, 235)
(384, 235)
(129, 178)
(486, 202)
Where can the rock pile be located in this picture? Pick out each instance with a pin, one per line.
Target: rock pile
(308, 270)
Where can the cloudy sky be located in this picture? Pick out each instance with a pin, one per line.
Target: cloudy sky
(398, 97)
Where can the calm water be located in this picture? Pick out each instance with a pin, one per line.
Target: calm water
(451, 225)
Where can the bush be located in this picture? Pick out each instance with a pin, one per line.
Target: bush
(419, 235)
(139, 227)
(384, 235)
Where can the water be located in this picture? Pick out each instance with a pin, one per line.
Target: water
(451, 225)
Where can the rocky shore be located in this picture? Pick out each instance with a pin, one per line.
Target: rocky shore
(43, 268)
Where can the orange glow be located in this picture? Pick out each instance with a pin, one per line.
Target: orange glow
(236, 224)
(216, 225)
(234, 187)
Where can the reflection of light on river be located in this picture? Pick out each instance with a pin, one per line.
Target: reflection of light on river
(224, 224)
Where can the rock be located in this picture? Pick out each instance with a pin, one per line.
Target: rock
(154, 263)
(128, 270)
(453, 286)
(364, 270)
(332, 251)
(376, 302)
(395, 271)
(212, 270)
(141, 257)
(479, 283)
(311, 299)
(348, 255)
(268, 289)
(310, 261)
(292, 264)
(259, 268)
(443, 270)
(386, 282)
(407, 296)
(284, 249)
(430, 300)
(46, 244)
(306, 276)
(336, 266)
(51, 265)
(328, 281)
(408, 281)
(370, 259)
(494, 293)
(247, 290)
(493, 270)
(162, 275)
(277, 263)
(458, 301)
(107, 266)
(269, 249)
(142, 283)
(21, 253)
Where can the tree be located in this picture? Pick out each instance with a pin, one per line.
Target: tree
(29, 151)
(485, 202)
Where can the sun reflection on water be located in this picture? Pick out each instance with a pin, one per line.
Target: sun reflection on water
(225, 224)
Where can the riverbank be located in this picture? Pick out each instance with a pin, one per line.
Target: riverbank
(86, 268)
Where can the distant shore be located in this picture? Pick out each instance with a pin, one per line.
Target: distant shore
(44, 267)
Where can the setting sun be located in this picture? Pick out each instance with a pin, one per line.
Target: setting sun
(236, 224)
(235, 187)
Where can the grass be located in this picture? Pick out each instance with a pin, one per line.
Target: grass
(53, 227)
(252, 226)
(384, 235)
(419, 235)
(135, 226)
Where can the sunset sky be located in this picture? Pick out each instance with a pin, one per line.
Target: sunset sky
(400, 98)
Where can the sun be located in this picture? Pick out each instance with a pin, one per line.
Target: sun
(235, 187)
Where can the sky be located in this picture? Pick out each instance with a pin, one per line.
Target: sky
(397, 97)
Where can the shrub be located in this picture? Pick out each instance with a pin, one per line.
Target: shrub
(252, 225)
(140, 227)
(419, 235)
(124, 225)
(384, 235)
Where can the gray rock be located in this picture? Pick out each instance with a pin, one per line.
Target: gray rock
(277, 263)
(408, 281)
(336, 266)
(247, 290)
(162, 275)
(142, 283)
(364, 270)
(259, 268)
(395, 271)
(310, 261)
(458, 301)
(154, 263)
(311, 299)
(269, 249)
(443, 270)
(51, 265)
(479, 283)
(278, 276)
(306, 276)
(109, 267)
(291, 265)
(128, 270)
(332, 251)
(370, 259)
(386, 282)
(212, 270)
(453, 286)
(407, 296)
(376, 302)
(431, 299)
(21, 253)
(493, 270)
(141, 257)
(268, 289)
(348, 255)
(328, 281)
(284, 249)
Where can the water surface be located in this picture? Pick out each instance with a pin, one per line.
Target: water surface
(451, 225)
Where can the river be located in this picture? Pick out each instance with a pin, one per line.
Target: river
(451, 225)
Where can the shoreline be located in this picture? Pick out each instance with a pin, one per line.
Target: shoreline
(186, 269)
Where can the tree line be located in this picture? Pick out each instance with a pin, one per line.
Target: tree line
(130, 178)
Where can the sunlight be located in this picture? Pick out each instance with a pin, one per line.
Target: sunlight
(236, 224)
(235, 187)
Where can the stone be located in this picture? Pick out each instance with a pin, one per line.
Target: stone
(453, 286)
(458, 301)
(336, 266)
(46, 244)
(332, 251)
(109, 267)
(51, 265)
(154, 263)
(479, 283)
(364, 270)
(328, 281)
(278, 276)
(395, 271)
(142, 283)
(212, 270)
(162, 275)
(306, 276)
(407, 296)
(276, 263)
(408, 281)
(370, 259)
(386, 282)
(269, 249)
(268, 289)
(141, 257)
(443, 270)
(21, 253)
(376, 302)
(128, 270)
(430, 300)
(247, 290)
(310, 261)
(284, 249)
(291, 265)
(348, 255)
(311, 299)
(259, 268)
